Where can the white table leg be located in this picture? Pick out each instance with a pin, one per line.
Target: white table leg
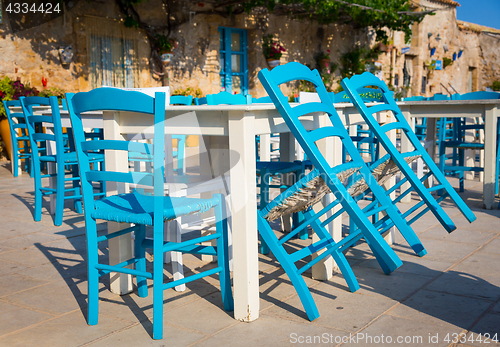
(490, 141)
(120, 248)
(265, 147)
(331, 148)
(470, 154)
(406, 147)
(390, 234)
(287, 153)
(244, 216)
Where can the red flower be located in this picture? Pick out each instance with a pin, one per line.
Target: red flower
(44, 82)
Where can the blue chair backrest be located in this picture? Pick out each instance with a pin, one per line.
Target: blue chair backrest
(307, 139)
(36, 133)
(367, 94)
(479, 96)
(21, 121)
(265, 100)
(181, 100)
(112, 99)
(439, 97)
(225, 98)
(415, 98)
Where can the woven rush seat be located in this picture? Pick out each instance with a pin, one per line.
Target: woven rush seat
(312, 188)
(70, 157)
(138, 208)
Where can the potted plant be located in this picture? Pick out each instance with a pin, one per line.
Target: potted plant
(431, 66)
(447, 62)
(166, 47)
(324, 60)
(272, 50)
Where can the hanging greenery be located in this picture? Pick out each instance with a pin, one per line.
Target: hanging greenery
(377, 14)
(357, 61)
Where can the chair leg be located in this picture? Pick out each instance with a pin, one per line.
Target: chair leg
(76, 184)
(264, 200)
(223, 254)
(38, 196)
(140, 253)
(59, 194)
(461, 175)
(346, 271)
(158, 281)
(93, 273)
(385, 255)
(283, 258)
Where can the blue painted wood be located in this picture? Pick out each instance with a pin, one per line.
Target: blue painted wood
(181, 100)
(456, 141)
(225, 98)
(386, 257)
(62, 158)
(18, 136)
(368, 79)
(138, 207)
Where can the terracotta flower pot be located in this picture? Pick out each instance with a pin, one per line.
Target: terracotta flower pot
(5, 134)
(273, 62)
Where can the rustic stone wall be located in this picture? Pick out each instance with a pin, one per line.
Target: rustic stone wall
(197, 63)
(33, 53)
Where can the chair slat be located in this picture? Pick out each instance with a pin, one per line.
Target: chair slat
(141, 178)
(118, 145)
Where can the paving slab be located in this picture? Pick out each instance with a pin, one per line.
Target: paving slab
(441, 309)
(486, 332)
(65, 331)
(397, 331)
(480, 264)
(465, 284)
(272, 331)
(15, 318)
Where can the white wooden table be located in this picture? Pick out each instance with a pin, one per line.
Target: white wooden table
(231, 131)
(461, 108)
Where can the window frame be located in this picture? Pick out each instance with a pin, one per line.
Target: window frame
(226, 59)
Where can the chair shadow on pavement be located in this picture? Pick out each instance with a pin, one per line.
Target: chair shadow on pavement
(71, 265)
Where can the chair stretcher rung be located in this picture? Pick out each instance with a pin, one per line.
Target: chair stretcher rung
(308, 221)
(192, 278)
(105, 269)
(117, 233)
(319, 258)
(306, 251)
(178, 246)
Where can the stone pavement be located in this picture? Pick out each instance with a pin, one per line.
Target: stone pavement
(454, 289)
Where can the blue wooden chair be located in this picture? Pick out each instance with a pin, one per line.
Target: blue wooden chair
(320, 181)
(61, 159)
(140, 207)
(402, 159)
(459, 143)
(18, 135)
